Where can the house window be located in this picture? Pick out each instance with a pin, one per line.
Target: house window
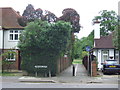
(105, 55)
(14, 35)
(116, 54)
(11, 57)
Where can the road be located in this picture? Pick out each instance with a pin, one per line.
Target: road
(56, 85)
(12, 82)
(63, 80)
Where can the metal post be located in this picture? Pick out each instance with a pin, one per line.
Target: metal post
(88, 64)
(91, 69)
(45, 75)
(36, 74)
(73, 70)
(49, 73)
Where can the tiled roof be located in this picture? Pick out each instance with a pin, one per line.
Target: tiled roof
(104, 42)
(9, 18)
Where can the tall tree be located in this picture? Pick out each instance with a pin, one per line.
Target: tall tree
(50, 17)
(81, 44)
(71, 15)
(116, 35)
(108, 21)
(30, 14)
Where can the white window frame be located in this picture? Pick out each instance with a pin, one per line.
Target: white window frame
(11, 59)
(14, 32)
(105, 54)
(117, 54)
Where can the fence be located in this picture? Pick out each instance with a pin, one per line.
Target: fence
(90, 64)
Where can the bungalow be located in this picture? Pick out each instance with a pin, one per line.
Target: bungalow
(103, 47)
(9, 35)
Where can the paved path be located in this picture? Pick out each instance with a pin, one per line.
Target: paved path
(67, 75)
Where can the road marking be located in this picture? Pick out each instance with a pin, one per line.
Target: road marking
(76, 70)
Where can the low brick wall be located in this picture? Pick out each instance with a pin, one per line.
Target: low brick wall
(94, 68)
(92, 64)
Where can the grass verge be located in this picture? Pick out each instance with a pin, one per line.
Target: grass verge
(10, 74)
(77, 61)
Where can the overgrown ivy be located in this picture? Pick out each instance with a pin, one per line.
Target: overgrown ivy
(42, 43)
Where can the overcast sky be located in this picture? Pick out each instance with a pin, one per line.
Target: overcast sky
(87, 9)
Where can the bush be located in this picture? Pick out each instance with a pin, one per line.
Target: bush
(42, 43)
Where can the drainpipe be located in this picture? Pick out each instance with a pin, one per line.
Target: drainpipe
(118, 29)
(3, 41)
(2, 47)
(119, 56)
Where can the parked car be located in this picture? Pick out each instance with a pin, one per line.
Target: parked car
(111, 67)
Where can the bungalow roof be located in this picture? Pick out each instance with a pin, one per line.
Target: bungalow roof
(105, 42)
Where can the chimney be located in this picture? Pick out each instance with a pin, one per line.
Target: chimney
(96, 29)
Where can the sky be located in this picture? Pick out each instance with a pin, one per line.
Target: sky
(87, 9)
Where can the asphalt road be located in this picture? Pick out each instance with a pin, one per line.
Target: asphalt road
(12, 82)
(64, 80)
(56, 85)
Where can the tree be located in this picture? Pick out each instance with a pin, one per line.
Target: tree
(77, 48)
(30, 14)
(81, 44)
(70, 15)
(42, 43)
(119, 38)
(116, 35)
(108, 21)
(50, 17)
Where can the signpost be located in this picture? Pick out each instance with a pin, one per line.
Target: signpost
(38, 67)
(88, 49)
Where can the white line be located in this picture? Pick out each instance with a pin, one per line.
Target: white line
(76, 70)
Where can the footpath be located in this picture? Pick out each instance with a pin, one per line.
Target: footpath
(81, 76)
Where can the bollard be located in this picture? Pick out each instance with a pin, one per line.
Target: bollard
(36, 74)
(49, 74)
(73, 70)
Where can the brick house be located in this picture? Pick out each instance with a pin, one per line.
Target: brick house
(103, 47)
(9, 35)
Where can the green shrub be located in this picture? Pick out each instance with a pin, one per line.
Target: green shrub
(42, 43)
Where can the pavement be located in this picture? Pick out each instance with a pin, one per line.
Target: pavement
(81, 77)
(63, 80)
